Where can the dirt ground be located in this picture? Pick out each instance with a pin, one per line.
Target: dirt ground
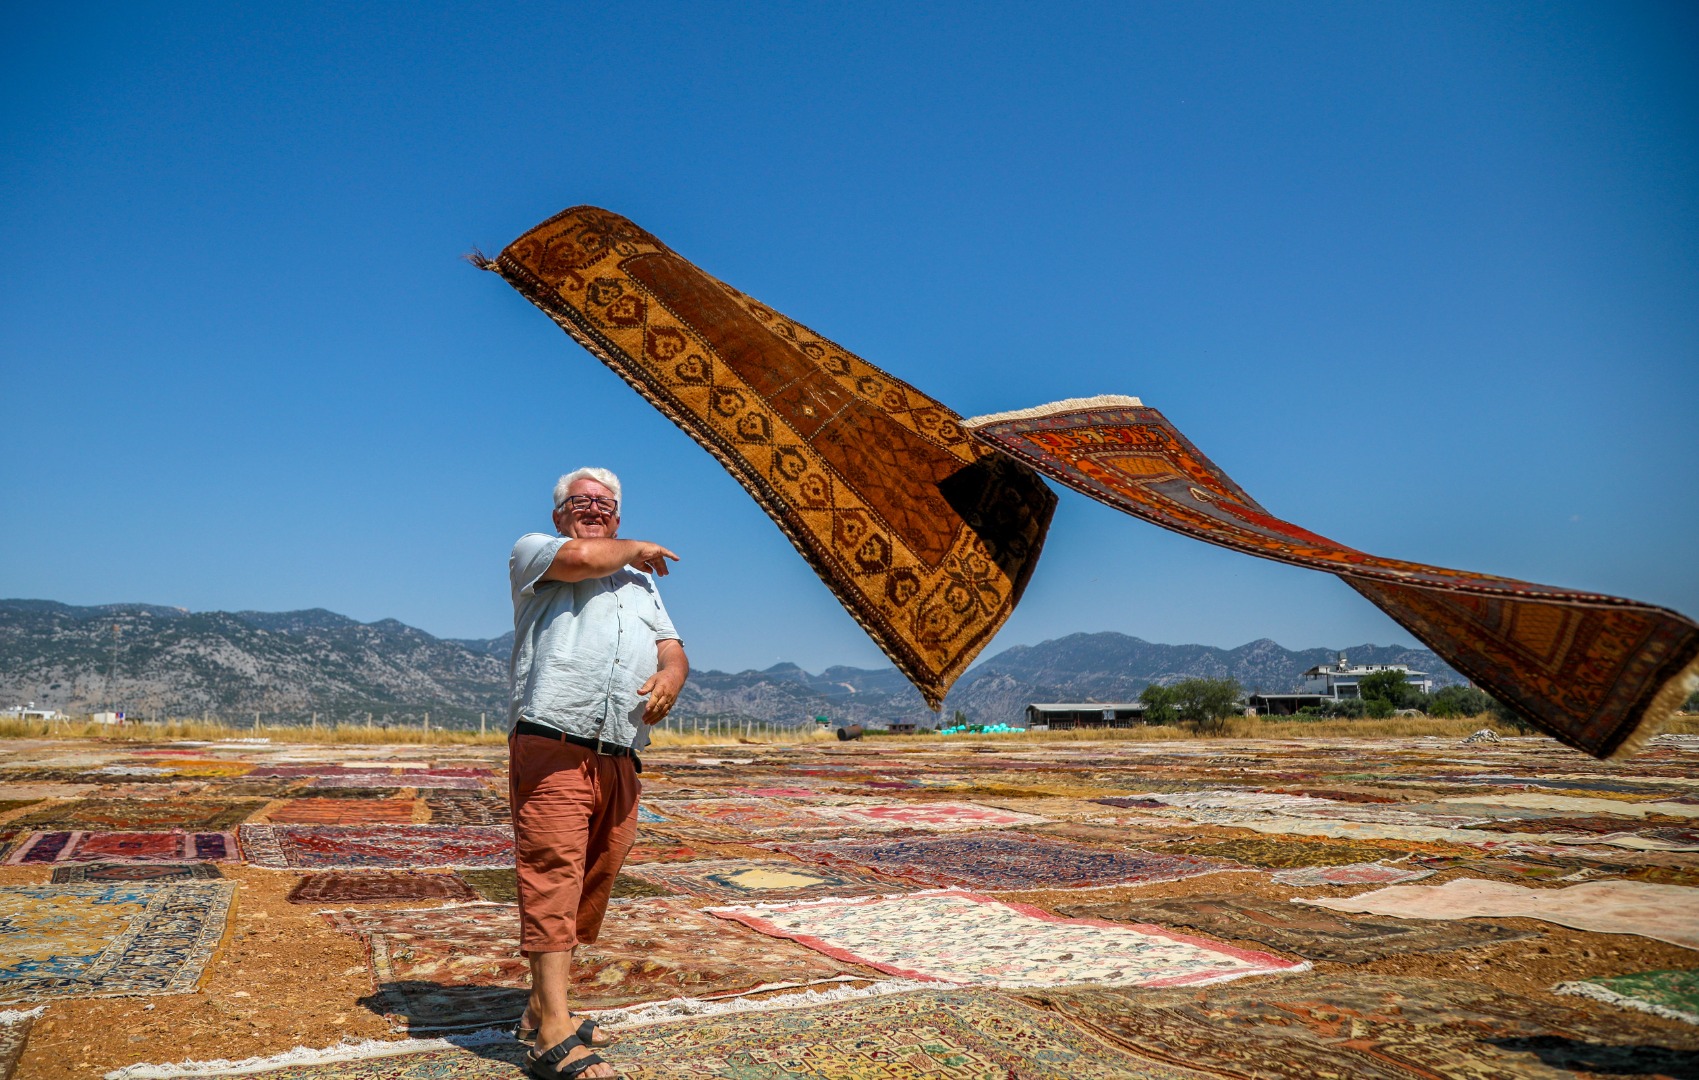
(284, 978)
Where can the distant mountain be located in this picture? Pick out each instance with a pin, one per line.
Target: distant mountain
(289, 665)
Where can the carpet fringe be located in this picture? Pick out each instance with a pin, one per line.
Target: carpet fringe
(1101, 401)
(1611, 997)
(663, 1012)
(1669, 698)
(349, 1050)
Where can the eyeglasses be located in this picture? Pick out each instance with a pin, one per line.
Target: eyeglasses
(585, 502)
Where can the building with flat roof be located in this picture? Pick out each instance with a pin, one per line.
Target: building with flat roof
(1061, 716)
(1332, 682)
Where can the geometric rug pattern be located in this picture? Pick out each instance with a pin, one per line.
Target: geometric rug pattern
(316, 847)
(111, 939)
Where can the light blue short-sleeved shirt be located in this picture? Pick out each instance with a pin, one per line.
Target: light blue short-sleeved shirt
(582, 648)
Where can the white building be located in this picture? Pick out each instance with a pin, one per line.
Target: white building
(1340, 680)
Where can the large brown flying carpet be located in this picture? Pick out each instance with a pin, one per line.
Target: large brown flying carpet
(925, 535)
(1598, 672)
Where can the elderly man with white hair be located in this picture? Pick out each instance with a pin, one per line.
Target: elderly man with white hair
(596, 661)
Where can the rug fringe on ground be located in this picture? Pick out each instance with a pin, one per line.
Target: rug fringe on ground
(1623, 1001)
(662, 1012)
(301, 1055)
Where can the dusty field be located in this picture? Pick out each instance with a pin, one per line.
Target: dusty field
(283, 977)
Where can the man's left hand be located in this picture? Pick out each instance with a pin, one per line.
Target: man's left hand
(662, 690)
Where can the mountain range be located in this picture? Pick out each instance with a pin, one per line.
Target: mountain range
(287, 666)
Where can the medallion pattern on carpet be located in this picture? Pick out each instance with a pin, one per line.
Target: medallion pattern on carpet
(960, 937)
(66, 847)
(59, 941)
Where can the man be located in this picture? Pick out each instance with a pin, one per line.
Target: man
(595, 662)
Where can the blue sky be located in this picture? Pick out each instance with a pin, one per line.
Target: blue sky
(1421, 277)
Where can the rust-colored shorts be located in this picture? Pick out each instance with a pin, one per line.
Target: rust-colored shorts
(574, 820)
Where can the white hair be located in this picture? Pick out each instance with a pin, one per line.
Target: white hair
(604, 477)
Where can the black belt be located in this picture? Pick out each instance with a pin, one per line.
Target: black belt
(526, 727)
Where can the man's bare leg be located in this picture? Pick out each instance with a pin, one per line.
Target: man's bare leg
(551, 982)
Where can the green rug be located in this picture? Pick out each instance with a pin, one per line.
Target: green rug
(1673, 995)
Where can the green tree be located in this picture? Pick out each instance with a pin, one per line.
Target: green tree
(1450, 701)
(1390, 687)
(1158, 704)
(1205, 703)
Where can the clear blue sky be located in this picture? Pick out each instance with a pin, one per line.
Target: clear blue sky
(1422, 277)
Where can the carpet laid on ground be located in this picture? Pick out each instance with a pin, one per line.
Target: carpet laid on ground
(342, 812)
(326, 847)
(139, 815)
(760, 879)
(1598, 672)
(459, 967)
(1368, 1027)
(960, 937)
(1296, 929)
(1272, 853)
(146, 847)
(377, 886)
(468, 808)
(918, 1035)
(1665, 912)
(14, 1036)
(59, 941)
(502, 886)
(1673, 995)
(102, 872)
(933, 817)
(412, 780)
(958, 1035)
(1001, 861)
(1373, 873)
(927, 537)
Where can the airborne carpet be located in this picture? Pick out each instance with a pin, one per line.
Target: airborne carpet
(1598, 672)
(959, 937)
(927, 537)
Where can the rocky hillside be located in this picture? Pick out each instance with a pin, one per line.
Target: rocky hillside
(288, 665)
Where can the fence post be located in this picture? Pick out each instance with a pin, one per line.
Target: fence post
(482, 730)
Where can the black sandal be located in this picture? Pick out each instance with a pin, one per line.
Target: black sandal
(587, 1029)
(554, 1060)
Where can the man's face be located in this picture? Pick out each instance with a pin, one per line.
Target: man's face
(590, 519)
